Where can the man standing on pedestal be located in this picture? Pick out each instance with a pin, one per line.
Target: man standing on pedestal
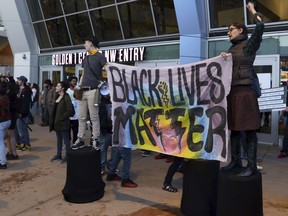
(89, 82)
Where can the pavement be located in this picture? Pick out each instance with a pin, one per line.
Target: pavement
(33, 185)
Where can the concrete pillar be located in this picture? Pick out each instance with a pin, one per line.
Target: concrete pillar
(193, 28)
(22, 39)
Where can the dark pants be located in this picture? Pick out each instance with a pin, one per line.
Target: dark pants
(285, 139)
(74, 128)
(177, 161)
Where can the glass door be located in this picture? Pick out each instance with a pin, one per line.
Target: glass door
(268, 71)
(55, 74)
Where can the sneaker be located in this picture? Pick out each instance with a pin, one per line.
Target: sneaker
(128, 183)
(95, 144)
(145, 153)
(169, 160)
(26, 147)
(78, 144)
(113, 177)
(64, 160)
(56, 158)
(282, 155)
(19, 147)
(3, 166)
(160, 156)
(12, 157)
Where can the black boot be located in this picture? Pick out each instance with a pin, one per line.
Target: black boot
(236, 164)
(251, 167)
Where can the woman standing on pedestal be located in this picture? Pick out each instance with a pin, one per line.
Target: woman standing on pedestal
(243, 109)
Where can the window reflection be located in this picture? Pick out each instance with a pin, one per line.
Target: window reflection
(58, 32)
(223, 12)
(106, 24)
(99, 3)
(42, 36)
(51, 8)
(136, 19)
(272, 11)
(165, 17)
(34, 9)
(79, 27)
(71, 6)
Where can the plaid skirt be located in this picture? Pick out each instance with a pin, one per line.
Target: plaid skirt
(243, 109)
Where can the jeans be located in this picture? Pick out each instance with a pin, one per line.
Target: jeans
(3, 127)
(87, 103)
(117, 154)
(105, 140)
(62, 136)
(21, 131)
(285, 139)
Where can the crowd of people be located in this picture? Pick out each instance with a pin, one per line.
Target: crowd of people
(68, 116)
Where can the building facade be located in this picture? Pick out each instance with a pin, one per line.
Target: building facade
(44, 38)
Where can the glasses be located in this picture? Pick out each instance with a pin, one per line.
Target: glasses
(231, 29)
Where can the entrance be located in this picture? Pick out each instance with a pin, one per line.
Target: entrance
(268, 71)
(55, 74)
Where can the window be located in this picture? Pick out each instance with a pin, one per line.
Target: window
(136, 19)
(72, 6)
(165, 17)
(106, 24)
(58, 32)
(79, 26)
(51, 8)
(42, 36)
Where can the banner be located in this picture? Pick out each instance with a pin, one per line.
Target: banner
(178, 110)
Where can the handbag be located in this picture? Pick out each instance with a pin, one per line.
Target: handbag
(78, 93)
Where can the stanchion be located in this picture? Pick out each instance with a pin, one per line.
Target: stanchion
(200, 178)
(83, 181)
(239, 196)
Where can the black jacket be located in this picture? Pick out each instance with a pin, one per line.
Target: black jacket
(62, 111)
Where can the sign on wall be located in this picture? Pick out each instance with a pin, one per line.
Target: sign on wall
(112, 55)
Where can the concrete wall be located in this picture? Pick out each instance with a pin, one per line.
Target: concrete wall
(22, 39)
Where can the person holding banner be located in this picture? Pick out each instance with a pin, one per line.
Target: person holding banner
(243, 109)
(89, 82)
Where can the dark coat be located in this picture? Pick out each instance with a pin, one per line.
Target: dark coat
(243, 53)
(24, 102)
(62, 111)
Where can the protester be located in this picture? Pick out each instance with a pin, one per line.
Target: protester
(105, 138)
(117, 154)
(173, 168)
(89, 82)
(74, 124)
(243, 109)
(4, 122)
(48, 99)
(23, 109)
(34, 101)
(10, 134)
(59, 121)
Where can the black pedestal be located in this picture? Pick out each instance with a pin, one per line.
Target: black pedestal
(239, 196)
(83, 181)
(200, 180)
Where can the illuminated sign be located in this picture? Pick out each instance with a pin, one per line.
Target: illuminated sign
(125, 54)
(68, 58)
(114, 55)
